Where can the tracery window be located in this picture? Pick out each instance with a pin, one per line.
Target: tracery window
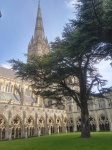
(30, 126)
(42, 126)
(16, 127)
(92, 124)
(104, 123)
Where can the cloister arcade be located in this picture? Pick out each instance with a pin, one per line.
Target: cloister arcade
(103, 123)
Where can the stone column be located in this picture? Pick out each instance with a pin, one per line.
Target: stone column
(14, 133)
(6, 133)
(95, 102)
(58, 129)
(97, 122)
(26, 134)
(10, 133)
(74, 126)
(38, 131)
(49, 130)
(65, 127)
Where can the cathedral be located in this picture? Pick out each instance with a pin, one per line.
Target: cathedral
(22, 114)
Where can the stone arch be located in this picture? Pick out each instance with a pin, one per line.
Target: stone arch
(65, 124)
(78, 123)
(16, 124)
(30, 122)
(92, 123)
(104, 124)
(65, 121)
(71, 125)
(51, 125)
(3, 124)
(41, 124)
(59, 124)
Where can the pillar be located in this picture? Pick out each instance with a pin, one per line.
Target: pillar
(38, 131)
(10, 133)
(49, 130)
(26, 134)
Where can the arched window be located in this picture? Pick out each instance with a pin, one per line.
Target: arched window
(30, 126)
(16, 127)
(104, 123)
(92, 124)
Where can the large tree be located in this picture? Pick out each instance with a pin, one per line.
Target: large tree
(69, 71)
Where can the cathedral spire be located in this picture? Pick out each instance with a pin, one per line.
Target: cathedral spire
(39, 44)
(39, 29)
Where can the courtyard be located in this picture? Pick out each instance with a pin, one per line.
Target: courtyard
(69, 141)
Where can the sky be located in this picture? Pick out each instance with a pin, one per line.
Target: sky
(18, 22)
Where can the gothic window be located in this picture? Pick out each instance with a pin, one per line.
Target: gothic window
(16, 122)
(78, 124)
(104, 123)
(16, 127)
(92, 124)
(40, 120)
(30, 121)
(41, 126)
(65, 121)
(30, 126)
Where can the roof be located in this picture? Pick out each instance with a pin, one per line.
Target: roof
(11, 96)
(8, 73)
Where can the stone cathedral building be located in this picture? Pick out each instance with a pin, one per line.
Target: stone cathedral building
(22, 114)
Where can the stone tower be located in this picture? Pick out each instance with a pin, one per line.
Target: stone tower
(39, 44)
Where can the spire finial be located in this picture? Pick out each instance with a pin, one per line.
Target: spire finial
(39, 29)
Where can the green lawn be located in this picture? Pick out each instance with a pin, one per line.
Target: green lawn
(69, 141)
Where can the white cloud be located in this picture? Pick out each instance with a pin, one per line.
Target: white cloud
(7, 65)
(71, 3)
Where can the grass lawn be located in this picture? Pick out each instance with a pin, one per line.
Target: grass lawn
(69, 141)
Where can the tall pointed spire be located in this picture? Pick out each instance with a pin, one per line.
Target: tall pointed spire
(39, 29)
(39, 44)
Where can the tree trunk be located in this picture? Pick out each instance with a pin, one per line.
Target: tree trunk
(85, 123)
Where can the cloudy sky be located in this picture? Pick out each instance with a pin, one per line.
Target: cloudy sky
(18, 21)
